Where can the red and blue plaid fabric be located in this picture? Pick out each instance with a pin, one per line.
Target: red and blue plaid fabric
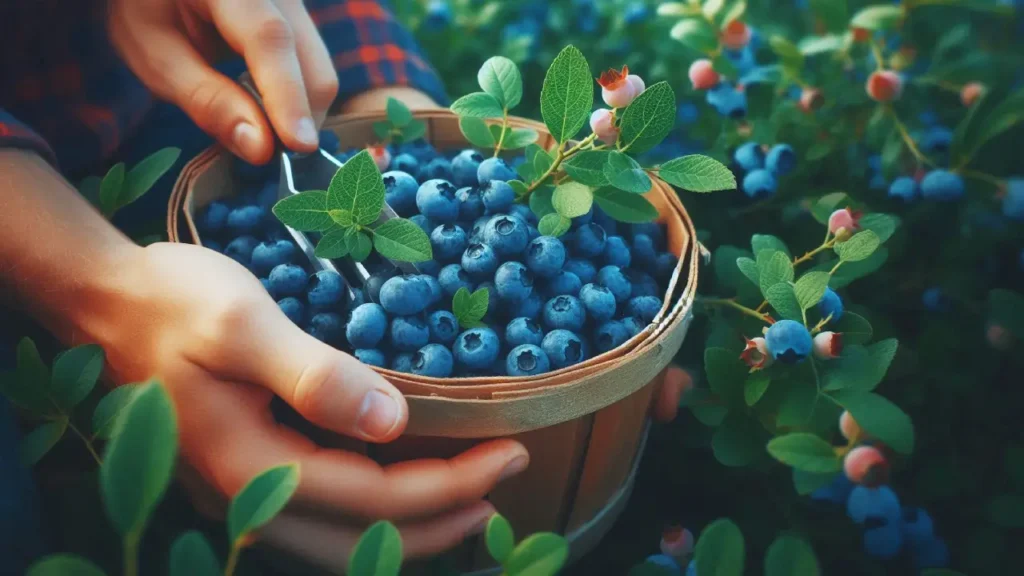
(65, 94)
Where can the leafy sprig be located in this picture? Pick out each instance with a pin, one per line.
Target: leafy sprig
(470, 308)
(121, 186)
(400, 126)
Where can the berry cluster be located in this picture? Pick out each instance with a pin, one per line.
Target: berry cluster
(551, 302)
(760, 167)
(727, 97)
(676, 550)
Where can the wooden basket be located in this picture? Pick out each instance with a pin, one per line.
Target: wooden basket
(584, 426)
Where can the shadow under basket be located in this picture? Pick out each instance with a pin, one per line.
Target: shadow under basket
(584, 426)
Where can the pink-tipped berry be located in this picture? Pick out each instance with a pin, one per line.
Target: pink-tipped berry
(884, 86)
(970, 93)
(999, 337)
(676, 542)
(603, 124)
(703, 75)
(866, 465)
(828, 345)
(848, 427)
(638, 84)
(381, 157)
(616, 89)
(756, 354)
(843, 223)
(811, 99)
(861, 34)
(736, 35)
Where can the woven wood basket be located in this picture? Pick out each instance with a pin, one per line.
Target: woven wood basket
(584, 426)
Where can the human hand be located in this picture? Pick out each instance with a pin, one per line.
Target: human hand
(169, 44)
(672, 383)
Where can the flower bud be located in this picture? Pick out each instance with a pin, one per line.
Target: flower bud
(617, 90)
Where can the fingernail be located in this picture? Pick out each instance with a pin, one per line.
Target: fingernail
(378, 415)
(514, 467)
(247, 140)
(306, 131)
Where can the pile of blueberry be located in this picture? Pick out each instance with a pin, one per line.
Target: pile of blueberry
(553, 302)
(759, 167)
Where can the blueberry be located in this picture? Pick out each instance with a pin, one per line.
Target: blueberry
(436, 200)
(433, 361)
(598, 302)
(903, 188)
(402, 363)
(448, 241)
(727, 100)
(583, 269)
(564, 312)
(882, 538)
(452, 277)
(507, 235)
(513, 281)
(443, 326)
(400, 192)
(602, 219)
(293, 309)
(832, 304)
(213, 245)
(933, 299)
(479, 260)
(436, 291)
(477, 348)
(589, 241)
(942, 186)
(409, 333)
(476, 232)
(652, 230)
(405, 163)
(471, 204)
(245, 219)
(611, 335)
(633, 325)
(405, 295)
(424, 223)
(759, 183)
(523, 331)
(1013, 202)
(267, 255)
(616, 252)
(664, 266)
(644, 307)
(326, 289)
(326, 327)
(213, 218)
(357, 297)
(749, 156)
(267, 286)
(864, 502)
(437, 169)
(643, 284)
(498, 196)
(240, 249)
(564, 283)
(494, 169)
(788, 341)
(936, 140)
(524, 213)
(581, 220)
(366, 326)
(612, 278)
(644, 251)
(671, 567)
(528, 308)
(288, 280)
(430, 267)
(545, 256)
(252, 173)
(375, 282)
(917, 525)
(781, 160)
(465, 166)
(527, 360)
(563, 348)
(837, 492)
(371, 357)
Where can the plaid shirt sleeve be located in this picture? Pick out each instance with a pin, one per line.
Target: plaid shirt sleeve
(14, 134)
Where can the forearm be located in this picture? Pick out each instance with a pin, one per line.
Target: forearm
(59, 259)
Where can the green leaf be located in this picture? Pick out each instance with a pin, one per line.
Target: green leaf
(475, 130)
(360, 245)
(398, 113)
(878, 18)
(726, 374)
(64, 565)
(567, 95)
(773, 268)
(572, 199)
(542, 554)
(141, 178)
(414, 131)
(648, 119)
(755, 387)
(712, 7)
(191, 555)
(519, 187)
(519, 138)
(854, 328)
(110, 189)
(784, 301)
(789, 55)
(333, 244)
(109, 409)
(761, 242)
(805, 452)
(883, 225)
(696, 33)
(720, 550)
(382, 130)
(1006, 308)
(341, 217)
(27, 385)
(858, 247)
(260, 500)
(74, 375)
(880, 418)
(38, 442)
(540, 159)
(734, 13)
(359, 188)
(861, 369)
(469, 308)
(892, 153)
(553, 225)
(378, 552)
(749, 269)
(853, 270)
(305, 212)
(139, 459)
(799, 404)
(540, 202)
(89, 187)
(625, 206)
(807, 482)
(588, 167)
(831, 12)
(403, 241)
(738, 440)
(790, 556)
(810, 288)
(626, 174)
(828, 204)
(814, 45)
(1004, 115)
(500, 78)
(697, 173)
(499, 538)
(478, 105)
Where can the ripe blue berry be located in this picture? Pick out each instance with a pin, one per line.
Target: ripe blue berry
(942, 186)
(667, 562)
(832, 304)
(434, 361)
(583, 269)
(727, 100)
(564, 283)
(477, 348)
(444, 327)
(611, 335)
(837, 492)
(498, 196)
(213, 218)
(245, 219)
(405, 163)
(479, 260)
(240, 249)
(882, 537)
(424, 223)
(366, 326)
(933, 299)
(293, 309)
(329, 141)
(749, 156)
(409, 333)
(691, 570)
(598, 302)
(564, 312)
(616, 252)
(471, 204)
(523, 331)
(465, 166)
(917, 525)
(936, 140)
(664, 266)
(864, 502)
(513, 281)
(371, 357)
(402, 363)
(643, 284)
(405, 295)
(476, 232)
(903, 188)
(651, 229)
(545, 256)
(1013, 202)
(326, 289)
(267, 255)
(644, 251)
(563, 348)
(781, 159)
(326, 327)
(437, 169)
(494, 169)
(288, 280)
(527, 360)
(612, 278)
(436, 292)
(524, 213)
(453, 277)
(436, 200)
(507, 235)
(268, 286)
(448, 241)
(400, 192)
(589, 240)
(644, 307)
(788, 341)
(528, 308)
(759, 183)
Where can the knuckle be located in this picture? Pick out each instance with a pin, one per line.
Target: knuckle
(274, 33)
(203, 98)
(311, 390)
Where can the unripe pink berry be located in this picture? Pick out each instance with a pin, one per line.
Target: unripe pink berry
(381, 157)
(848, 427)
(998, 337)
(866, 465)
(970, 93)
(703, 75)
(828, 345)
(755, 354)
(638, 84)
(736, 35)
(616, 88)
(676, 542)
(843, 222)
(884, 86)
(811, 99)
(603, 124)
(861, 34)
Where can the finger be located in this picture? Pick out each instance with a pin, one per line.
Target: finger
(317, 68)
(674, 382)
(328, 545)
(264, 37)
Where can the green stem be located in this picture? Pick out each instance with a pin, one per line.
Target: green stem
(236, 551)
(501, 139)
(560, 156)
(833, 270)
(825, 246)
(983, 177)
(730, 303)
(907, 139)
(817, 379)
(879, 58)
(87, 442)
(131, 554)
